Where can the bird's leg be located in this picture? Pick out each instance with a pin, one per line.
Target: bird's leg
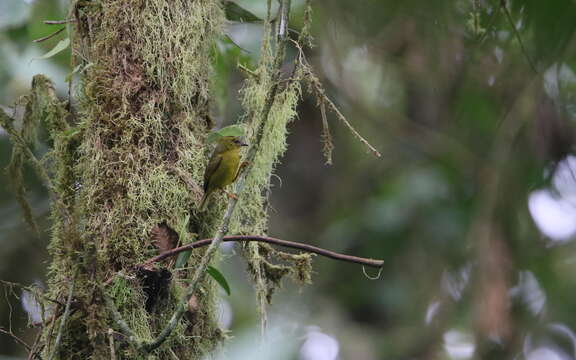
(230, 195)
(243, 165)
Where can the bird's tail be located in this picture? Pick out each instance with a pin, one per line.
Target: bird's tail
(204, 201)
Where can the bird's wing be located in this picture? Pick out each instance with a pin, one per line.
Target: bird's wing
(213, 165)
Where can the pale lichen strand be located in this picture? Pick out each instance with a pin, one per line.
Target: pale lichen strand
(143, 117)
(251, 216)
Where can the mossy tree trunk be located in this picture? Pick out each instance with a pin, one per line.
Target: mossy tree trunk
(125, 171)
(133, 166)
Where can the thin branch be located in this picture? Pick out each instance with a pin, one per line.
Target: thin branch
(200, 272)
(58, 22)
(50, 331)
(173, 354)
(49, 36)
(517, 34)
(351, 128)
(323, 99)
(489, 26)
(6, 123)
(34, 352)
(64, 318)
(30, 289)
(285, 243)
(118, 318)
(247, 71)
(16, 339)
(111, 344)
(327, 144)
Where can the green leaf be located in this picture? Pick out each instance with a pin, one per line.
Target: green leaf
(220, 279)
(183, 226)
(62, 45)
(232, 130)
(235, 12)
(71, 132)
(182, 259)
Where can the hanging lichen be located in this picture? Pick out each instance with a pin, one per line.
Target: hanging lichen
(270, 102)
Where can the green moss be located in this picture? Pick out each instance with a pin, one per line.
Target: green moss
(143, 110)
(133, 157)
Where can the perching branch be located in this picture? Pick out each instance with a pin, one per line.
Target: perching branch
(285, 243)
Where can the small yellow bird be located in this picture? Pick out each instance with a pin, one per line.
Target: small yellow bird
(222, 169)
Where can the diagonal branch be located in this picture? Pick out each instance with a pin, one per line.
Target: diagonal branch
(16, 339)
(517, 34)
(6, 123)
(49, 36)
(118, 318)
(324, 101)
(285, 243)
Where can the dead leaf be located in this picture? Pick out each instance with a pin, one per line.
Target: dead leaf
(164, 237)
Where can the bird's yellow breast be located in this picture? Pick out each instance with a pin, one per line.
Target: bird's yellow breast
(227, 170)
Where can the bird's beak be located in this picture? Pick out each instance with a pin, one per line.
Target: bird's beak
(243, 144)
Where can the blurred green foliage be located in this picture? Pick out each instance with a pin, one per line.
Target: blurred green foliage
(469, 132)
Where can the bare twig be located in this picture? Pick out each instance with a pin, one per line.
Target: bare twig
(64, 318)
(50, 331)
(34, 352)
(111, 343)
(351, 128)
(247, 71)
(324, 100)
(517, 34)
(6, 123)
(489, 26)
(16, 338)
(327, 144)
(285, 243)
(173, 354)
(30, 289)
(49, 36)
(58, 22)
